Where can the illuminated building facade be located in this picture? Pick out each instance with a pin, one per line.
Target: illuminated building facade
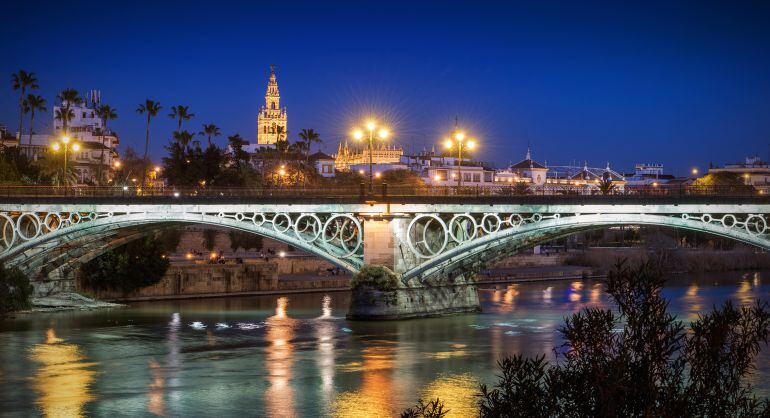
(271, 121)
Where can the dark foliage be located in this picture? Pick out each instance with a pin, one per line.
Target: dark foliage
(212, 167)
(133, 266)
(432, 409)
(640, 361)
(379, 277)
(16, 167)
(15, 290)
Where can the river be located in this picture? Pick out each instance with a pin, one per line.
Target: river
(296, 355)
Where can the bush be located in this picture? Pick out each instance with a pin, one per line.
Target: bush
(640, 361)
(15, 290)
(432, 409)
(379, 277)
(133, 266)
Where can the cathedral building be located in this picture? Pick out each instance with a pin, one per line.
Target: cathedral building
(271, 121)
(381, 154)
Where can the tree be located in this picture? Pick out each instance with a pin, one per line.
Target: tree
(16, 166)
(151, 108)
(183, 138)
(33, 104)
(432, 409)
(133, 266)
(65, 116)
(281, 142)
(51, 168)
(238, 157)
(67, 98)
(521, 188)
(22, 80)
(309, 137)
(130, 167)
(640, 361)
(180, 113)
(210, 131)
(15, 290)
(106, 113)
(607, 187)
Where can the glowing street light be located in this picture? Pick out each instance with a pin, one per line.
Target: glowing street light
(65, 144)
(695, 171)
(381, 133)
(460, 138)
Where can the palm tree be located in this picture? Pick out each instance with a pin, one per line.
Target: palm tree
(67, 98)
(151, 108)
(183, 138)
(51, 167)
(21, 81)
(309, 136)
(281, 144)
(106, 113)
(180, 113)
(33, 104)
(65, 115)
(210, 131)
(607, 187)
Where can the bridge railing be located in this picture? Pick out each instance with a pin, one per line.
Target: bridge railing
(381, 190)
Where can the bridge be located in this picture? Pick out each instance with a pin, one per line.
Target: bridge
(426, 239)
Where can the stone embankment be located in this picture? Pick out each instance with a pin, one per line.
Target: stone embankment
(210, 280)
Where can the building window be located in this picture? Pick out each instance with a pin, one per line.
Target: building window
(476, 177)
(466, 176)
(327, 169)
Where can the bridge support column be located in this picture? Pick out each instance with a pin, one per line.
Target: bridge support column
(387, 297)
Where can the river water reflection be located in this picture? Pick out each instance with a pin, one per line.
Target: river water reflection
(296, 355)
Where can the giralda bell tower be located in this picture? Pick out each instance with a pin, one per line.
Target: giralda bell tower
(271, 121)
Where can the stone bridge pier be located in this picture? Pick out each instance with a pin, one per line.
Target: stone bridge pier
(450, 290)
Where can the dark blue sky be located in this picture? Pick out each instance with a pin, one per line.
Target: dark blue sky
(634, 82)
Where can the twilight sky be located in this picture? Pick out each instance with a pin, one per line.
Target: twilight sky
(630, 82)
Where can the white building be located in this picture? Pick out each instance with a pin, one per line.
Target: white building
(646, 175)
(525, 171)
(753, 171)
(324, 164)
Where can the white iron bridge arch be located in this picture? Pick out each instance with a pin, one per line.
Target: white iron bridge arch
(417, 237)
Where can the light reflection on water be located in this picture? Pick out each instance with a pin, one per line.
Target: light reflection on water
(63, 379)
(296, 355)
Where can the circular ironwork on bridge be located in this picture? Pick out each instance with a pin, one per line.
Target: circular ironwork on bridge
(281, 222)
(28, 226)
(463, 228)
(342, 233)
(431, 239)
(308, 227)
(490, 223)
(7, 232)
(756, 225)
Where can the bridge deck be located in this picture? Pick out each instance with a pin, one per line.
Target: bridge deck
(309, 200)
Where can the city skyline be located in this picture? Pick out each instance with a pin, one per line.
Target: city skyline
(591, 85)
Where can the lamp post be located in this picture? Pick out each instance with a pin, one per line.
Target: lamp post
(382, 133)
(65, 144)
(459, 137)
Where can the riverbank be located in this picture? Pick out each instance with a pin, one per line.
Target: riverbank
(67, 302)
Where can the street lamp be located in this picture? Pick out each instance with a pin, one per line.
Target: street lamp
(459, 137)
(381, 133)
(695, 171)
(65, 144)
